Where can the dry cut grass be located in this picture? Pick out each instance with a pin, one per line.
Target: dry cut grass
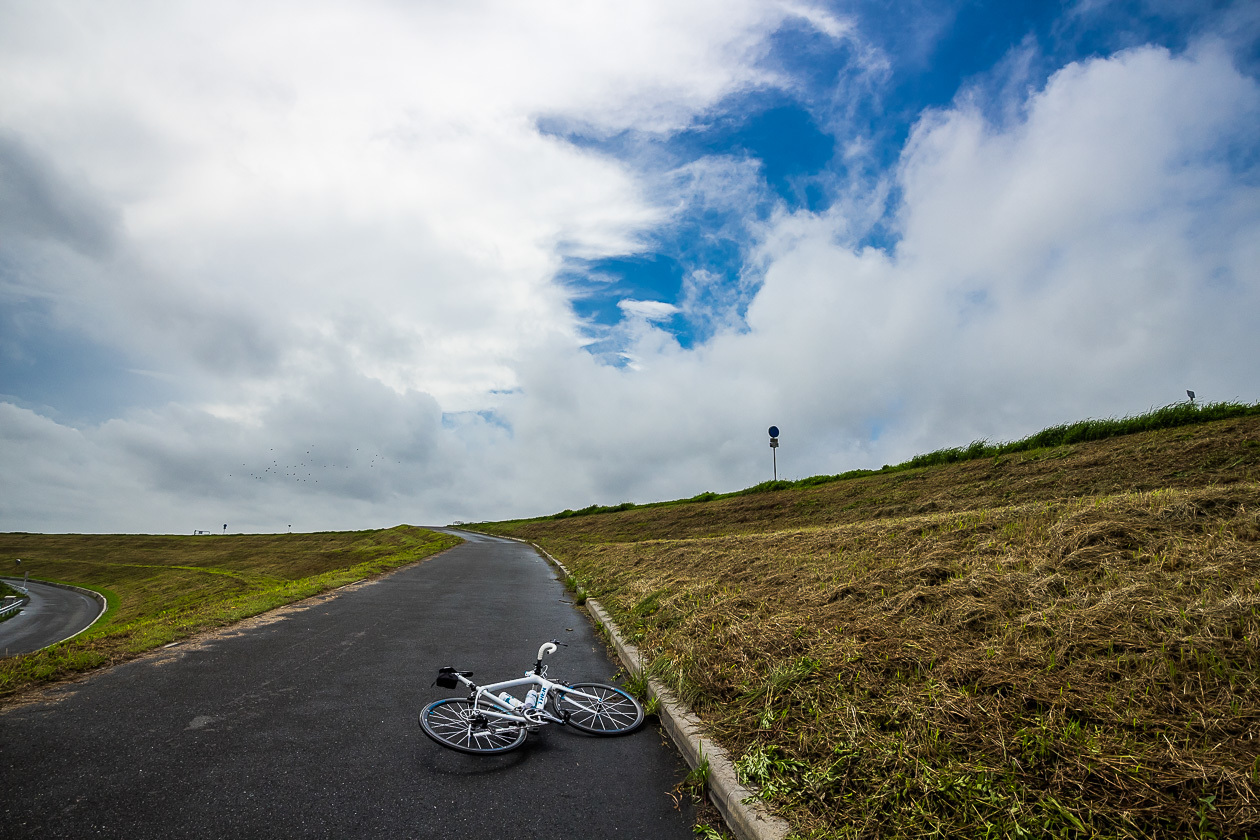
(1092, 665)
(1082, 666)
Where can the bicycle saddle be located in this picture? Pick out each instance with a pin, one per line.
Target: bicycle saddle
(446, 677)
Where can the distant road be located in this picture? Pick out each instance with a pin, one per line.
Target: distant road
(53, 614)
(303, 724)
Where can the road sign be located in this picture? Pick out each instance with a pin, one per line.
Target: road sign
(774, 431)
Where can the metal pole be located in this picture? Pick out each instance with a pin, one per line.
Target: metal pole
(774, 449)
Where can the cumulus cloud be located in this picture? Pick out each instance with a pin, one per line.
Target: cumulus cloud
(1095, 251)
(1095, 254)
(385, 163)
(343, 258)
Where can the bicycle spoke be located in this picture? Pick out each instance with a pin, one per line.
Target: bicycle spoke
(458, 724)
(606, 711)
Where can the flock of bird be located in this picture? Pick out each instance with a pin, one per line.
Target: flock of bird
(307, 470)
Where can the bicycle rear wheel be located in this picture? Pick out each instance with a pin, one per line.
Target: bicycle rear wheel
(458, 724)
(612, 712)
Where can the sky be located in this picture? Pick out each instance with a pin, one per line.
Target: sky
(343, 265)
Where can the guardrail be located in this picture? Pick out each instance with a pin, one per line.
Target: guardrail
(94, 595)
(17, 604)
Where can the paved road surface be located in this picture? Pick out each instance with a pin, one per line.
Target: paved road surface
(51, 615)
(306, 726)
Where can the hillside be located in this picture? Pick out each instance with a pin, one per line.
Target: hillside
(163, 588)
(1055, 641)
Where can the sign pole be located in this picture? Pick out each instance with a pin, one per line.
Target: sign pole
(774, 449)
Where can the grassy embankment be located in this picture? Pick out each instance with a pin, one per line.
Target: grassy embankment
(161, 589)
(1045, 640)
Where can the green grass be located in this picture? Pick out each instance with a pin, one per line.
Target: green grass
(1168, 417)
(162, 589)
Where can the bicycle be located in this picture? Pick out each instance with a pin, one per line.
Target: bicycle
(493, 720)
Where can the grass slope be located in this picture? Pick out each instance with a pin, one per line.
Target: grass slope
(1053, 641)
(161, 589)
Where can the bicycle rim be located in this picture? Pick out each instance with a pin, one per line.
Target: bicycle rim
(613, 712)
(457, 724)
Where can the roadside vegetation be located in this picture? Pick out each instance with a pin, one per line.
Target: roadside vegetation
(1168, 417)
(1050, 640)
(161, 589)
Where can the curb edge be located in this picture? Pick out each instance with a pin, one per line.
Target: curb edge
(748, 818)
(91, 593)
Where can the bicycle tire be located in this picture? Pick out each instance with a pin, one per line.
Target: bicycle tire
(456, 723)
(615, 713)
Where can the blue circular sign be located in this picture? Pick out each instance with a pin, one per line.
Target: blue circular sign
(774, 431)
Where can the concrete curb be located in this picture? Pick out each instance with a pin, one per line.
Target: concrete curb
(748, 818)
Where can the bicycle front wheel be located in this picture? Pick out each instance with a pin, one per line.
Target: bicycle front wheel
(608, 711)
(458, 724)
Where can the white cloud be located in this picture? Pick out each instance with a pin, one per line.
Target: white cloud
(1097, 253)
(322, 166)
(650, 311)
(286, 203)
(345, 250)
(1096, 256)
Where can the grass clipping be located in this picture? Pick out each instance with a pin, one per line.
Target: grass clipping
(1076, 668)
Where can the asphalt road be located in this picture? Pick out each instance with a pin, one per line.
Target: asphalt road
(305, 725)
(53, 614)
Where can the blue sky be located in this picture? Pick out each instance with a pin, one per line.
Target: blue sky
(588, 254)
(796, 136)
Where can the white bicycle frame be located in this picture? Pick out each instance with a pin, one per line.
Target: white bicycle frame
(486, 697)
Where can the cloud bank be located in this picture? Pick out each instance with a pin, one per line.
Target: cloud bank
(306, 266)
